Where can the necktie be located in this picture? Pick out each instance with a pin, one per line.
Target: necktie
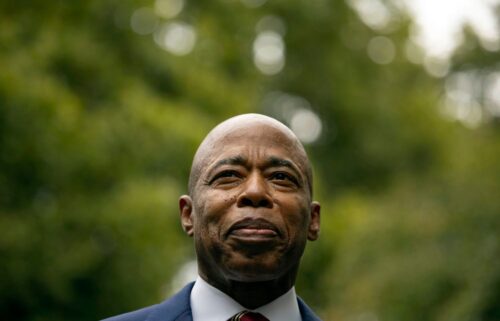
(248, 316)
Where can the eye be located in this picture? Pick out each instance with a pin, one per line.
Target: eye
(283, 178)
(227, 176)
(280, 176)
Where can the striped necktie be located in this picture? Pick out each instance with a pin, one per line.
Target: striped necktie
(248, 316)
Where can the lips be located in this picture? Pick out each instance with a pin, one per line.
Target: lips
(254, 230)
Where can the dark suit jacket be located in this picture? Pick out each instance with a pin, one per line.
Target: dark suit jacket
(178, 308)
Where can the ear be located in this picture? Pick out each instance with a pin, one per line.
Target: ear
(313, 231)
(186, 211)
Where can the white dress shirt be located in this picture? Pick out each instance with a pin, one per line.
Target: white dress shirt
(211, 304)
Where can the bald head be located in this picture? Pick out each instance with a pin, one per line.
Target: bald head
(251, 128)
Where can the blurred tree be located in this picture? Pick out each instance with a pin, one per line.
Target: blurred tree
(102, 104)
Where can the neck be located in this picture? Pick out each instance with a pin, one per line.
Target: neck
(252, 295)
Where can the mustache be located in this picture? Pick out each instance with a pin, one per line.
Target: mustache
(254, 223)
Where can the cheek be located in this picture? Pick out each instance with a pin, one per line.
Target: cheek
(219, 203)
(296, 215)
(210, 211)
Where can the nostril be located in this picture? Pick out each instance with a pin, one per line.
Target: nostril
(264, 203)
(245, 202)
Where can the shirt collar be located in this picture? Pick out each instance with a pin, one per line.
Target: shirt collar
(210, 304)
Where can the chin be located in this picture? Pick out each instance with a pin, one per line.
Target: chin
(254, 271)
(246, 277)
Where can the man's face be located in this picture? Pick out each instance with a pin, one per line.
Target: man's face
(251, 212)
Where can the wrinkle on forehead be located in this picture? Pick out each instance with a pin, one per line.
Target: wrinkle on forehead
(247, 126)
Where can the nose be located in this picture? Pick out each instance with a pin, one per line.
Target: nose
(255, 193)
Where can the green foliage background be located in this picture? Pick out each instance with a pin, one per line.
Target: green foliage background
(98, 126)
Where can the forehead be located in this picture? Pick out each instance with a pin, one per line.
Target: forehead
(256, 135)
(254, 143)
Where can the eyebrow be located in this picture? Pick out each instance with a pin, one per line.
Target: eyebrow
(272, 161)
(234, 160)
(280, 162)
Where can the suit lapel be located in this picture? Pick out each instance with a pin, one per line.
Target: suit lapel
(177, 308)
(305, 312)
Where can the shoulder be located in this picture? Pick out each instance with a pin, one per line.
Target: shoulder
(305, 312)
(176, 308)
(138, 315)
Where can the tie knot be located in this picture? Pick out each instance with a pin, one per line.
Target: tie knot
(248, 316)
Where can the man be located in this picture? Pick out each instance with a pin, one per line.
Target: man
(250, 212)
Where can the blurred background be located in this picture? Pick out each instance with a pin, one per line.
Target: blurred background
(103, 103)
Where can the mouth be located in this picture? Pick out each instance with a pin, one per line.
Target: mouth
(254, 230)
